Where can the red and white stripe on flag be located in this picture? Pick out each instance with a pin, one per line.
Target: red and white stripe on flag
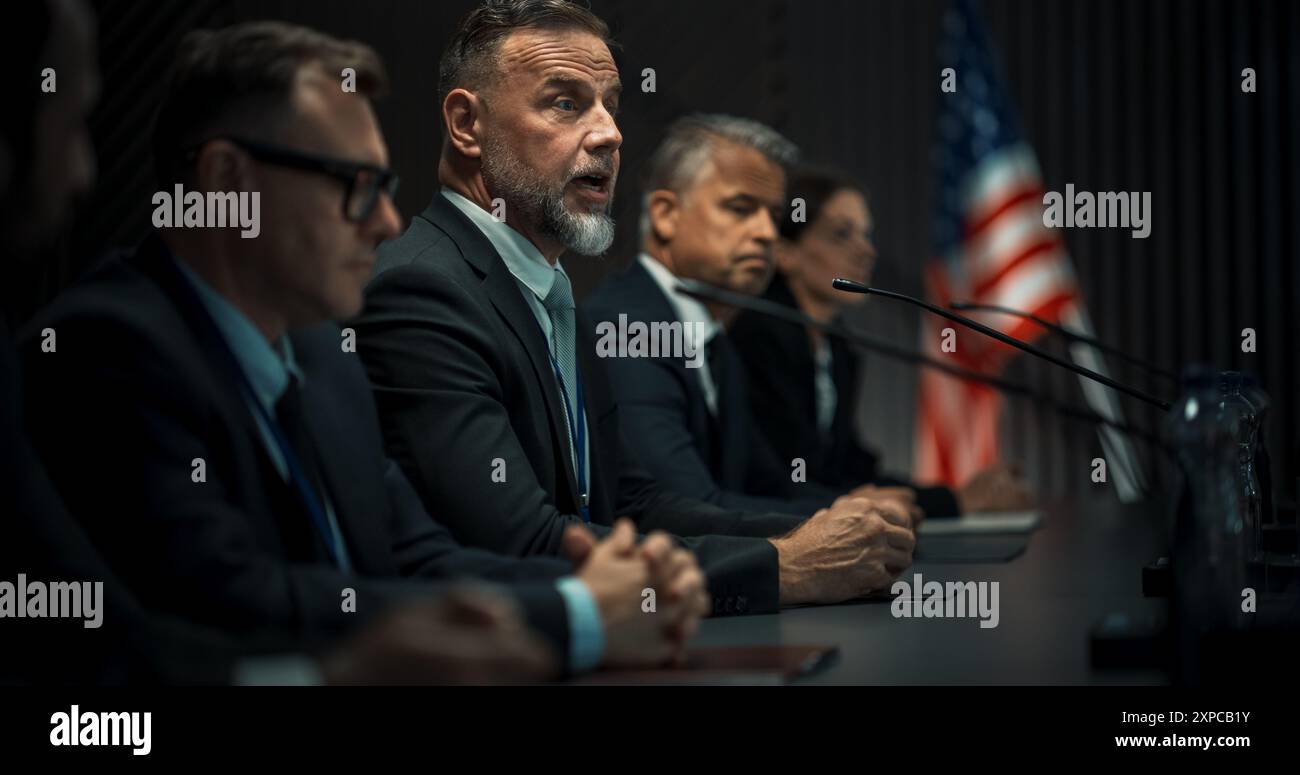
(1006, 257)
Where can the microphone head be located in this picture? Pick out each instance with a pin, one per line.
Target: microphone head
(840, 284)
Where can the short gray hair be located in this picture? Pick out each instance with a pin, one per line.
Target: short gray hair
(471, 57)
(692, 140)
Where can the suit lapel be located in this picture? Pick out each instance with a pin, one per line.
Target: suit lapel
(797, 350)
(508, 299)
(733, 418)
(599, 399)
(156, 262)
(656, 306)
(339, 460)
(844, 366)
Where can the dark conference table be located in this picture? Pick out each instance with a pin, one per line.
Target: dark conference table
(1083, 563)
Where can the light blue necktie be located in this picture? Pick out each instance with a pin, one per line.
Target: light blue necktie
(559, 304)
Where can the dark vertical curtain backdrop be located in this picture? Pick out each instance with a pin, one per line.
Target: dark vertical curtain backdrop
(1114, 95)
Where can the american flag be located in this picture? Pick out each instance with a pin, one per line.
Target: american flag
(991, 247)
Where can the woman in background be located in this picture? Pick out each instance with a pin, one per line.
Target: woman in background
(802, 383)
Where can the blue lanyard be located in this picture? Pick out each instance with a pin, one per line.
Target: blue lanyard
(309, 499)
(305, 491)
(577, 438)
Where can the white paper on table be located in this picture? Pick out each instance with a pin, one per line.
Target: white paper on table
(987, 522)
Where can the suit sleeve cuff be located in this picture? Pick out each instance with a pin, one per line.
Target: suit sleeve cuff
(287, 670)
(586, 631)
(938, 502)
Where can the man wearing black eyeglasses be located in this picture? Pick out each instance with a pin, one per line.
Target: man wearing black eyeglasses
(231, 423)
(362, 183)
(46, 163)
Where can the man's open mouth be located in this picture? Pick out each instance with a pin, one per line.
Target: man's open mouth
(592, 182)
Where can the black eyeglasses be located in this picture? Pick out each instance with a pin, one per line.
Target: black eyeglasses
(362, 182)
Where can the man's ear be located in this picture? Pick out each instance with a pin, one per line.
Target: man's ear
(664, 209)
(460, 117)
(222, 166)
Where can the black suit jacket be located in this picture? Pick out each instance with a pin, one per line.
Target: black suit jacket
(721, 459)
(42, 541)
(136, 391)
(778, 358)
(462, 376)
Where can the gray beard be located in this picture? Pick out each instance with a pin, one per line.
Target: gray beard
(587, 234)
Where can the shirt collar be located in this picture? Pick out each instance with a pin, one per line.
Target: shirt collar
(267, 367)
(688, 309)
(521, 257)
